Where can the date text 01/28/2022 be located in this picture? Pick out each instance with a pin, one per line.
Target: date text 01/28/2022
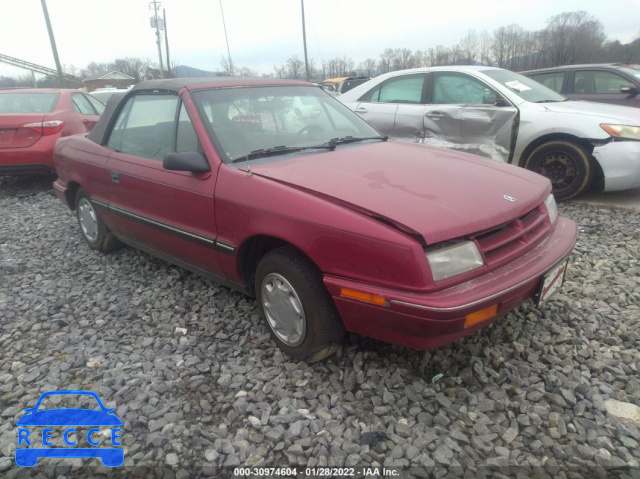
(314, 472)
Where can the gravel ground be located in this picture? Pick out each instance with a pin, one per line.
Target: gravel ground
(525, 397)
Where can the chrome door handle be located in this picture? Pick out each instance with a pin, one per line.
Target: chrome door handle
(434, 115)
(361, 110)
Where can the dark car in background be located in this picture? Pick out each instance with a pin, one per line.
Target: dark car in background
(343, 84)
(615, 83)
(32, 119)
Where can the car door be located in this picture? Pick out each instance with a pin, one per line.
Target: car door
(87, 115)
(168, 213)
(601, 86)
(396, 106)
(467, 114)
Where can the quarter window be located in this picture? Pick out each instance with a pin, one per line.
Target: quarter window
(82, 105)
(98, 106)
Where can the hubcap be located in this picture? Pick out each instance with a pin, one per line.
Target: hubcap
(88, 220)
(283, 309)
(560, 168)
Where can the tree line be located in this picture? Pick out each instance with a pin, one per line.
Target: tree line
(568, 38)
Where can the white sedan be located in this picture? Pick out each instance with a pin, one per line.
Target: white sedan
(508, 117)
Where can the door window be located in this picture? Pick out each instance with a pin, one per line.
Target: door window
(404, 89)
(146, 126)
(599, 82)
(455, 88)
(554, 80)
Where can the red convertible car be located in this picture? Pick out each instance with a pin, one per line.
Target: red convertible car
(330, 225)
(32, 119)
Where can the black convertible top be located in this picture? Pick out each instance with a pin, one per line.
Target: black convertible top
(175, 85)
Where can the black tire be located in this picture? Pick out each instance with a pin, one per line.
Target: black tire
(323, 330)
(566, 164)
(100, 239)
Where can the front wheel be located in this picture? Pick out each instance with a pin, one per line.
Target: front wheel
(566, 164)
(296, 307)
(94, 231)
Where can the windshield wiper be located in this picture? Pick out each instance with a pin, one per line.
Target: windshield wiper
(551, 101)
(280, 150)
(353, 139)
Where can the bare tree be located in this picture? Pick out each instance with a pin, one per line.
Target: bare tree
(226, 66)
(386, 60)
(469, 47)
(280, 71)
(294, 66)
(458, 55)
(484, 48)
(443, 55)
(245, 72)
(368, 66)
(130, 66)
(574, 37)
(402, 59)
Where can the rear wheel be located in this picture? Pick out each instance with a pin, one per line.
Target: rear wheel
(565, 163)
(296, 307)
(94, 231)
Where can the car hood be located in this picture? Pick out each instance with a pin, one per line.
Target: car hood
(438, 194)
(69, 417)
(627, 114)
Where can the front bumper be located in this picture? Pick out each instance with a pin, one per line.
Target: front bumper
(429, 320)
(620, 163)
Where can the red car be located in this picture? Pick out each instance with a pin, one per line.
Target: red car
(328, 224)
(31, 120)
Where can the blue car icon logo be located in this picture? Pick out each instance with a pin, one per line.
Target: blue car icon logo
(70, 419)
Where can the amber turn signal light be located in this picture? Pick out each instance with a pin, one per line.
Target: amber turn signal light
(479, 316)
(366, 297)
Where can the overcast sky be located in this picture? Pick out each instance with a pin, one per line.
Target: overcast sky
(263, 33)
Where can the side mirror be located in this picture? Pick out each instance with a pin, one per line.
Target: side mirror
(628, 89)
(501, 102)
(192, 161)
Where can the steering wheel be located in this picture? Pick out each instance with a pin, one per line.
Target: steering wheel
(310, 128)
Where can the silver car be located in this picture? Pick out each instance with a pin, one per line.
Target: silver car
(508, 117)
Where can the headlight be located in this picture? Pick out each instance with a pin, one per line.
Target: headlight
(622, 131)
(454, 260)
(552, 209)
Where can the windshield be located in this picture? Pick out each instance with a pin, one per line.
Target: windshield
(525, 88)
(246, 120)
(28, 102)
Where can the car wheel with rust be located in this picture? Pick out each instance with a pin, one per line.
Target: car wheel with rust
(566, 164)
(296, 307)
(94, 231)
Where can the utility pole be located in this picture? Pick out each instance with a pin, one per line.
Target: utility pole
(304, 40)
(53, 43)
(166, 38)
(155, 23)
